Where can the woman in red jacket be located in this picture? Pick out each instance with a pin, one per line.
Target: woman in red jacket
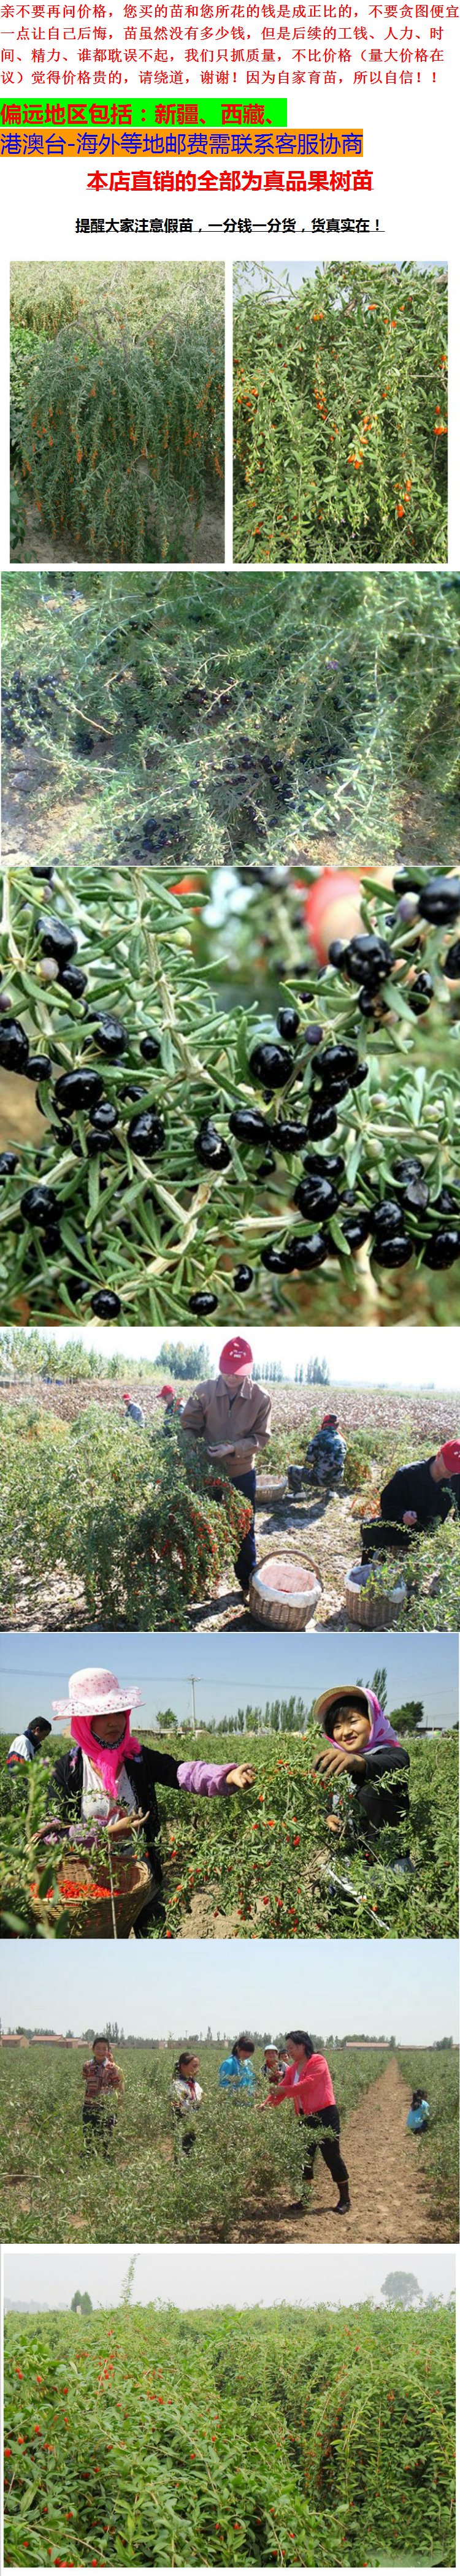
(308, 2085)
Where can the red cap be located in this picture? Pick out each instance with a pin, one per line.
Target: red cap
(450, 1452)
(126, 1395)
(236, 1357)
(166, 1390)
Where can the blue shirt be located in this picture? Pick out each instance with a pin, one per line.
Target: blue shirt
(416, 2118)
(236, 2075)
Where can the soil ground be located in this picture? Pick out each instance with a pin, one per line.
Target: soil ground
(206, 546)
(389, 2197)
(326, 1530)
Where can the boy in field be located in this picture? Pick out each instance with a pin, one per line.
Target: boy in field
(102, 2080)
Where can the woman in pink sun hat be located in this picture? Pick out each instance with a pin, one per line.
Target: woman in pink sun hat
(232, 1415)
(109, 1778)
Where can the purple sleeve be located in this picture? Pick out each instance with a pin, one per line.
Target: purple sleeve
(208, 1779)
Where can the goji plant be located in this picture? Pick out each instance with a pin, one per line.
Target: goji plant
(218, 2439)
(232, 722)
(176, 1129)
(152, 2192)
(271, 1871)
(340, 442)
(119, 424)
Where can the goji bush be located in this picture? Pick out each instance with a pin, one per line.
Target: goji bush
(133, 1520)
(340, 442)
(229, 723)
(218, 2439)
(152, 2192)
(119, 425)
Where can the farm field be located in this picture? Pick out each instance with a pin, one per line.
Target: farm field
(139, 2438)
(116, 413)
(342, 376)
(97, 1549)
(243, 2173)
(263, 1870)
(219, 724)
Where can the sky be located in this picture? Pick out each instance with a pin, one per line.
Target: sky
(267, 1985)
(35, 1669)
(241, 2276)
(396, 1356)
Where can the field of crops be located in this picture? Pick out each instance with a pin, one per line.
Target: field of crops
(244, 2171)
(340, 412)
(117, 1544)
(116, 412)
(218, 2439)
(261, 1868)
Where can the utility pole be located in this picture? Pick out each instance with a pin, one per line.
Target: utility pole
(192, 1687)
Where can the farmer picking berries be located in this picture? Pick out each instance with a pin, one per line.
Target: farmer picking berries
(232, 1415)
(307, 2083)
(106, 1785)
(363, 1748)
(428, 1491)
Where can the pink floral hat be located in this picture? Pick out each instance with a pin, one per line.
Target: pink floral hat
(95, 1691)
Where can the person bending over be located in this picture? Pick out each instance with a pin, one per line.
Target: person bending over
(24, 1747)
(426, 1491)
(325, 1459)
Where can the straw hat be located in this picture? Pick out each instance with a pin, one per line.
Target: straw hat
(329, 1699)
(95, 1692)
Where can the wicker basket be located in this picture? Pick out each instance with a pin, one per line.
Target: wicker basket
(89, 1909)
(374, 1610)
(284, 1592)
(272, 1489)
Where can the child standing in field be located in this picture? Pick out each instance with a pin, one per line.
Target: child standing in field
(418, 2116)
(186, 2095)
(275, 2062)
(308, 2085)
(236, 2074)
(102, 2080)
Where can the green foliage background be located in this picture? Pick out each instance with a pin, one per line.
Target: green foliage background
(221, 718)
(226, 2439)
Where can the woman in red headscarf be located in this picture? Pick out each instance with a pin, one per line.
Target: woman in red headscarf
(108, 1778)
(232, 1415)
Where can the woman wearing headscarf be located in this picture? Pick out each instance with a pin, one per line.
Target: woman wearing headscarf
(108, 1778)
(361, 1743)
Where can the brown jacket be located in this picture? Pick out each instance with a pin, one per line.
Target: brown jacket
(243, 1419)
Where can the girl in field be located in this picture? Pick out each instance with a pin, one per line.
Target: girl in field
(103, 2080)
(308, 2085)
(362, 1744)
(108, 1778)
(274, 2062)
(236, 2074)
(186, 2095)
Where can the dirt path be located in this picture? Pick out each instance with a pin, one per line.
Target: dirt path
(390, 2199)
